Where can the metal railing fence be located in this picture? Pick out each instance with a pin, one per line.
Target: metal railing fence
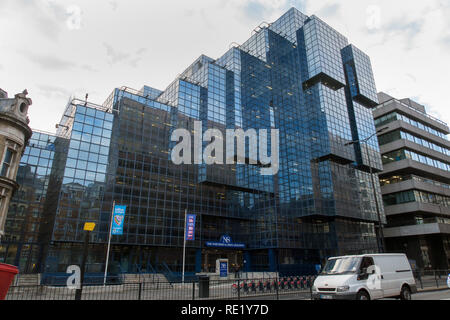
(231, 289)
(426, 279)
(272, 288)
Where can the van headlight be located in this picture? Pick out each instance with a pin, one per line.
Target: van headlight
(343, 289)
(314, 289)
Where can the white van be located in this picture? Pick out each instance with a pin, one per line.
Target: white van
(365, 277)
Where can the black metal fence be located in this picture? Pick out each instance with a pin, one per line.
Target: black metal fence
(426, 279)
(204, 289)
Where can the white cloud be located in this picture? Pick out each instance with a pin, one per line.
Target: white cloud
(117, 56)
(136, 42)
(52, 91)
(74, 19)
(114, 5)
(373, 21)
(49, 62)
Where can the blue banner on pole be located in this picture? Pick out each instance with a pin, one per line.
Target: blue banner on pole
(118, 220)
(190, 227)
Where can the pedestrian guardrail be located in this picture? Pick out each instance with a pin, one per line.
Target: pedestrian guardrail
(230, 289)
(431, 279)
(273, 288)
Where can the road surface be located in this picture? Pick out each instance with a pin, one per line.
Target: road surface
(434, 295)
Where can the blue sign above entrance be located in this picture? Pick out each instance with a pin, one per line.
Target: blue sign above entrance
(225, 242)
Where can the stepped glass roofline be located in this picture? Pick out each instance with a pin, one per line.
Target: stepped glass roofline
(293, 17)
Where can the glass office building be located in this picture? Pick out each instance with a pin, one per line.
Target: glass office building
(297, 75)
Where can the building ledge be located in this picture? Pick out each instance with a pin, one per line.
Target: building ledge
(8, 183)
(414, 185)
(406, 144)
(418, 207)
(15, 122)
(399, 124)
(396, 105)
(416, 230)
(409, 166)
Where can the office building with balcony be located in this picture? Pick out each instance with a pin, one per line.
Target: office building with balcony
(297, 75)
(415, 181)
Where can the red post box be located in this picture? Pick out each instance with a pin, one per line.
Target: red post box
(7, 274)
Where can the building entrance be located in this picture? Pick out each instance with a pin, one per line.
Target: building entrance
(210, 256)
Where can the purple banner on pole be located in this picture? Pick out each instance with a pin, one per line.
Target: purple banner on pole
(190, 227)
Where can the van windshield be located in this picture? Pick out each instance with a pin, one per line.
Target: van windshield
(341, 266)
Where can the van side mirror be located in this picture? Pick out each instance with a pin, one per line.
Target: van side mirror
(365, 272)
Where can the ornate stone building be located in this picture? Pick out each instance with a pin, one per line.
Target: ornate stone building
(14, 136)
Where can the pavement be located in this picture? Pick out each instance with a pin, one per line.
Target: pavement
(441, 293)
(432, 295)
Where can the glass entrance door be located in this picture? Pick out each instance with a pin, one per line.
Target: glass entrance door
(210, 256)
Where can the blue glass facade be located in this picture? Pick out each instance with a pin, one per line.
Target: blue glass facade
(297, 75)
(26, 216)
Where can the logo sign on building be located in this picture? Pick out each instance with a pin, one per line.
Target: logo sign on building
(118, 220)
(226, 239)
(190, 227)
(225, 242)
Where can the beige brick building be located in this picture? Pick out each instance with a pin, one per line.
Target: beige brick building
(14, 136)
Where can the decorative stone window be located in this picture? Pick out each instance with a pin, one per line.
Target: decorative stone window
(8, 161)
(23, 108)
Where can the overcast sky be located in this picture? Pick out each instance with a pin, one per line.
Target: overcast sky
(59, 48)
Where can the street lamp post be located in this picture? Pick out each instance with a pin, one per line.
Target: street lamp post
(380, 233)
(380, 224)
(88, 228)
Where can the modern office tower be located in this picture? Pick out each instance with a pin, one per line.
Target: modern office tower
(415, 181)
(14, 135)
(297, 75)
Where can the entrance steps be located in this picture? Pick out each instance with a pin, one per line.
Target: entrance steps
(258, 275)
(241, 275)
(144, 277)
(23, 280)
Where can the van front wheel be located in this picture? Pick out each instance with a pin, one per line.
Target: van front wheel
(405, 294)
(362, 295)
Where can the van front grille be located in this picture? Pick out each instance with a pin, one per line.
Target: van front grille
(327, 289)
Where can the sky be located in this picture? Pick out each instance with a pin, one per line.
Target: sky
(62, 48)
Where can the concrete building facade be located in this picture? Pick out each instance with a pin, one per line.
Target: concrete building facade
(14, 135)
(415, 181)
